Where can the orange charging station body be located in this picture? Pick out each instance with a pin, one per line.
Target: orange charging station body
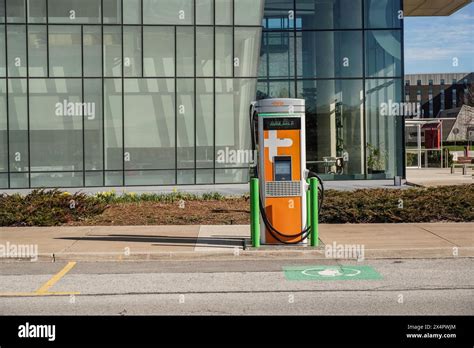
(282, 167)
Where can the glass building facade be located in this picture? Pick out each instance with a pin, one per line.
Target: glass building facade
(148, 92)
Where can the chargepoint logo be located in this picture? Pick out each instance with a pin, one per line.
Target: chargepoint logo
(344, 251)
(237, 157)
(400, 109)
(70, 109)
(19, 251)
(37, 331)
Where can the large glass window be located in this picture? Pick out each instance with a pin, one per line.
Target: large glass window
(277, 54)
(150, 124)
(204, 123)
(92, 51)
(3, 128)
(246, 50)
(245, 17)
(112, 51)
(381, 14)
(383, 53)
(18, 126)
(185, 51)
(16, 11)
(327, 54)
(3, 65)
(2, 11)
(158, 51)
(178, 12)
(112, 11)
(334, 14)
(74, 11)
(17, 62)
(383, 130)
(37, 51)
(56, 125)
(65, 51)
(335, 122)
(204, 12)
(37, 11)
(93, 121)
(279, 15)
(185, 123)
(224, 12)
(204, 51)
(132, 12)
(275, 89)
(132, 51)
(113, 131)
(233, 97)
(224, 61)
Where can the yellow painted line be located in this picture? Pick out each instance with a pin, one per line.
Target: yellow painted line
(36, 294)
(44, 289)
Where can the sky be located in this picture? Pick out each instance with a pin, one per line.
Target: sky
(436, 44)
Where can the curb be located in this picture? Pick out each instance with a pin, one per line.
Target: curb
(242, 255)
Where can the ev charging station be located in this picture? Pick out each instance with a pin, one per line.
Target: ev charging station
(284, 205)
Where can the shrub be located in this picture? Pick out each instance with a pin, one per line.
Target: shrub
(131, 197)
(47, 208)
(450, 203)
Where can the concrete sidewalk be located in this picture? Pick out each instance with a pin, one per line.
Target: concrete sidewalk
(223, 242)
(431, 177)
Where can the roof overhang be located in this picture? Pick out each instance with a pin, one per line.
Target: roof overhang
(433, 7)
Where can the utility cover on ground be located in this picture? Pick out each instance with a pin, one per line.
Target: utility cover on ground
(331, 273)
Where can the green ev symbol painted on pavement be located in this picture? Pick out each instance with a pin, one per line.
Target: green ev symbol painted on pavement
(331, 273)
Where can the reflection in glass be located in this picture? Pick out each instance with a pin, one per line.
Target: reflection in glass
(383, 53)
(204, 51)
(15, 11)
(93, 139)
(204, 123)
(132, 51)
(383, 131)
(224, 44)
(185, 51)
(383, 14)
(246, 51)
(334, 122)
(323, 14)
(37, 51)
(65, 51)
(204, 12)
(149, 123)
(92, 51)
(18, 126)
(3, 127)
(185, 123)
(74, 11)
(178, 12)
(245, 16)
(224, 12)
(37, 11)
(112, 51)
(158, 51)
(329, 54)
(17, 62)
(277, 54)
(113, 124)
